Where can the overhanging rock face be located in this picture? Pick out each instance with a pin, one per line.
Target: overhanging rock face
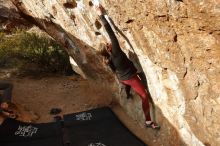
(174, 42)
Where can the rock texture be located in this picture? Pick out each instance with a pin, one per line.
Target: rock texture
(10, 18)
(174, 42)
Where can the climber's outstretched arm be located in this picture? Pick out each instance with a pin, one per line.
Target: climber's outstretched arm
(114, 41)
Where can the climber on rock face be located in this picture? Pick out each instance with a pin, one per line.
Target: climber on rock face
(124, 68)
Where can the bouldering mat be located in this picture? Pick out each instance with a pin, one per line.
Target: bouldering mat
(16, 133)
(98, 127)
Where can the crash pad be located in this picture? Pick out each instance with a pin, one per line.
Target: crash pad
(95, 127)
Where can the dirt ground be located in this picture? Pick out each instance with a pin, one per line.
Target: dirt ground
(71, 94)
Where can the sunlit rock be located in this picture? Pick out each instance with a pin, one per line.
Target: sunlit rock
(176, 44)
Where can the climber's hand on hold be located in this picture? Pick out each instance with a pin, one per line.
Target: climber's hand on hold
(100, 10)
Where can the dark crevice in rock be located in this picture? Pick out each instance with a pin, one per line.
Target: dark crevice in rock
(184, 60)
(97, 33)
(90, 4)
(70, 4)
(198, 84)
(73, 17)
(200, 29)
(215, 32)
(184, 75)
(51, 16)
(130, 21)
(98, 25)
(203, 28)
(197, 95)
(175, 38)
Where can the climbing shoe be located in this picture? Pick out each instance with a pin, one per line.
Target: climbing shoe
(151, 124)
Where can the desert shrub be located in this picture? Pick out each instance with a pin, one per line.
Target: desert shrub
(31, 52)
